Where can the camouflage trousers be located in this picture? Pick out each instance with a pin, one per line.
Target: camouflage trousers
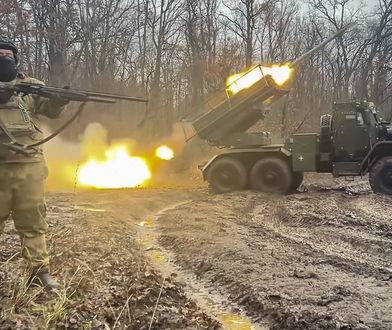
(22, 196)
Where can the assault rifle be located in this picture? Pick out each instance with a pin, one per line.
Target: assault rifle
(65, 93)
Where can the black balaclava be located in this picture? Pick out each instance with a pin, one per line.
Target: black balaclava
(8, 69)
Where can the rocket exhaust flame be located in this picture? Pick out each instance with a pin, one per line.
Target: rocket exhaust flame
(280, 73)
(117, 170)
(164, 152)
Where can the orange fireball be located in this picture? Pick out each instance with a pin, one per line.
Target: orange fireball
(117, 170)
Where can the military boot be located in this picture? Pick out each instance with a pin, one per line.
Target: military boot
(41, 277)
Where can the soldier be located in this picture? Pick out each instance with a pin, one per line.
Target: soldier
(22, 175)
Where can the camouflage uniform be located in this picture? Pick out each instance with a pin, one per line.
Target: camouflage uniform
(22, 177)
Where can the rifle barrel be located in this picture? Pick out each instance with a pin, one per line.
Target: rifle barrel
(116, 96)
(99, 99)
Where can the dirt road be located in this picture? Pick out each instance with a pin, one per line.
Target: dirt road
(320, 259)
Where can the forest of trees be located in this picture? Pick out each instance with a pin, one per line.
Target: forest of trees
(180, 51)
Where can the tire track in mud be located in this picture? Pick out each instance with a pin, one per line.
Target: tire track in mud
(309, 261)
(340, 242)
(331, 231)
(211, 302)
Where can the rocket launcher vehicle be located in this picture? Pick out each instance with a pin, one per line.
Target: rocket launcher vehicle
(227, 116)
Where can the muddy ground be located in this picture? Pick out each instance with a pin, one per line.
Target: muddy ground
(183, 258)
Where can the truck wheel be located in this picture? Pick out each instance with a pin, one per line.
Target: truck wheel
(380, 176)
(271, 175)
(298, 177)
(227, 174)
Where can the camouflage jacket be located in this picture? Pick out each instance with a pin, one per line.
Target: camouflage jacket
(21, 117)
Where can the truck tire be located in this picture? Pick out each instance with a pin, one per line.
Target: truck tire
(227, 174)
(271, 175)
(298, 177)
(380, 176)
(325, 133)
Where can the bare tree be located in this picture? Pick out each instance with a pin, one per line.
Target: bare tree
(346, 57)
(178, 52)
(380, 50)
(243, 22)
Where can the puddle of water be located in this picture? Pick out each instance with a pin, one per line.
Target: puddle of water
(148, 223)
(90, 209)
(235, 322)
(157, 256)
(161, 258)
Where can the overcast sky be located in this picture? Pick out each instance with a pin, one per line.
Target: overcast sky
(366, 4)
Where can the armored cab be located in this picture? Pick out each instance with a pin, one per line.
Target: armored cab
(352, 142)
